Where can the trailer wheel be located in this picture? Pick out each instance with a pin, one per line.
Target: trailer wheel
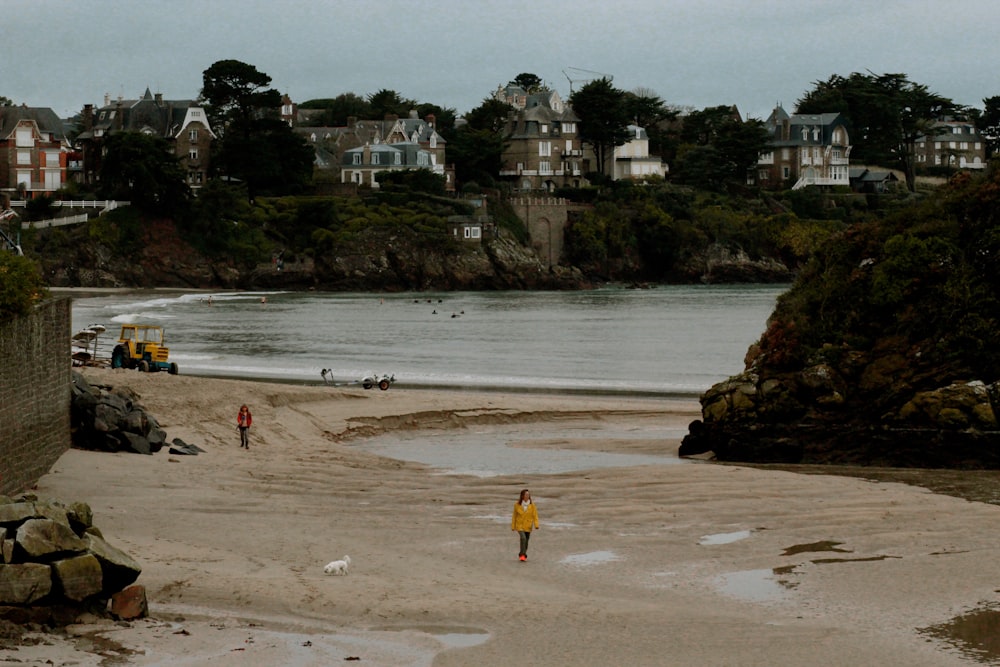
(143, 366)
(383, 385)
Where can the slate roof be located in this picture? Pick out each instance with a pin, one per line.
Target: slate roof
(45, 118)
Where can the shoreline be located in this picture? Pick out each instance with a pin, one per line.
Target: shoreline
(728, 558)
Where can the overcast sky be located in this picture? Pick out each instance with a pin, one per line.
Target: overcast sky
(752, 53)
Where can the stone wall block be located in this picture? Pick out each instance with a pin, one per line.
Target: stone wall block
(14, 514)
(24, 583)
(118, 567)
(46, 539)
(78, 578)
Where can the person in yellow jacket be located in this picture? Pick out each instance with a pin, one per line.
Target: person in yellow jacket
(525, 518)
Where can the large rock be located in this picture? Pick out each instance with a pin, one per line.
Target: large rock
(118, 567)
(24, 583)
(45, 539)
(130, 603)
(14, 514)
(78, 578)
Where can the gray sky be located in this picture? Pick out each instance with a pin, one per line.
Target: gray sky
(752, 53)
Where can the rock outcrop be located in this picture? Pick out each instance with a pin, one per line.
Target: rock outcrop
(54, 563)
(112, 420)
(881, 407)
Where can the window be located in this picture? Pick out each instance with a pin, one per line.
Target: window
(51, 159)
(375, 157)
(397, 158)
(357, 158)
(964, 145)
(545, 148)
(544, 167)
(24, 137)
(568, 127)
(545, 128)
(193, 135)
(569, 147)
(786, 172)
(24, 157)
(193, 154)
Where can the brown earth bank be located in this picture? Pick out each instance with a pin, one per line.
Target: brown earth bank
(682, 563)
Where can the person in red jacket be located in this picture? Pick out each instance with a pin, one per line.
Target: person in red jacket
(243, 421)
(525, 518)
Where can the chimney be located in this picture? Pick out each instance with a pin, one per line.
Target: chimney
(88, 117)
(107, 99)
(159, 99)
(391, 117)
(431, 119)
(414, 114)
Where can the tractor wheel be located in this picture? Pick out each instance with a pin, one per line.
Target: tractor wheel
(118, 357)
(383, 384)
(367, 383)
(173, 368)
(143, 366)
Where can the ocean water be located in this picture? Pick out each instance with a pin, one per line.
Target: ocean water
(676, 340)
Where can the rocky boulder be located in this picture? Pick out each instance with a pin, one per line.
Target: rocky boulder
(106, 419)
(52, 558)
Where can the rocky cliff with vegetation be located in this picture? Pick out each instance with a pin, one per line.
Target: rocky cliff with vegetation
(884, 351)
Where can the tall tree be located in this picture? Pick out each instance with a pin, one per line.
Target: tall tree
(989, 125)
(235, 94)
(604, 118)
(718, 147)
(887, 112)
(143, 169)
(390, 103)
(531, 83)
(338, 109)
(255, 146)
(476, 148)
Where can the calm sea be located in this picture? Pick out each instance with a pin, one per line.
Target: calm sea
(665, 340)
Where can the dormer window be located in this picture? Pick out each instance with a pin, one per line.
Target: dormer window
(375, 158)
(397, 158)
(545, 128)
(805, 134)
(357, 158)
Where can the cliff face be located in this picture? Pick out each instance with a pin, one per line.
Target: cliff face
(882, 353)
(379, 261)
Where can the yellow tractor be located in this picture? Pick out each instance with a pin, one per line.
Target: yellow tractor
(141, 346)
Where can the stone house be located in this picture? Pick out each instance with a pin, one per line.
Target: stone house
(954, 143)
(331, 145)
(544, 150)
(183, 123)
(805, 149)
(32, 151)
(360, 165)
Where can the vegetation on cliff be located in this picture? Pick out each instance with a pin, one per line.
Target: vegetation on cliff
(883, 351)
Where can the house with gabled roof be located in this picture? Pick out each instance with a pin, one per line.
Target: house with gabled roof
(332, 143)
(183, 123)
(543, 149)
(360, 165)
(632, 159)
(951, 143)
(32, 151)
(804, 149)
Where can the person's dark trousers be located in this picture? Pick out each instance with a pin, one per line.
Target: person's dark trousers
(525, 536)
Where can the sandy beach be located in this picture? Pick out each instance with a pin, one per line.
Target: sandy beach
(687, 563)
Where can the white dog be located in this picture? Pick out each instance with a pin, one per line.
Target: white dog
(338, 566)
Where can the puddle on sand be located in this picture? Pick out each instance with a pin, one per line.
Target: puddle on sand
(592, 558)
(976, 634)
(753, 585)
(724, 538)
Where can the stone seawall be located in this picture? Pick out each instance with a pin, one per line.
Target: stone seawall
(35, 392)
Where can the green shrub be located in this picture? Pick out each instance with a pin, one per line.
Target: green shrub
(21, 285)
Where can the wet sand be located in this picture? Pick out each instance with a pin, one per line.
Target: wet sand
(690, 564)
